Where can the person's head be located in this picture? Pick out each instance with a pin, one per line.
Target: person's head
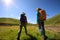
(23, 13)
(38, 9)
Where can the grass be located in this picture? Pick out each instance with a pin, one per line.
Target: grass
(10, 33)
(55, 20)
(9, 20)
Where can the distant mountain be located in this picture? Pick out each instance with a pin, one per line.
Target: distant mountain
(54, 20)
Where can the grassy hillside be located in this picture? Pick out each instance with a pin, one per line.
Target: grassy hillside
(51, 21)
(54, 20)
(9, 21)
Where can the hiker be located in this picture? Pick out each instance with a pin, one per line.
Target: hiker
(23, 23)
(41, 17)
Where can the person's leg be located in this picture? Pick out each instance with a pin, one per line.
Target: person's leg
(25, 29)
(40, 26)
(43, 27)
(19, 33)
(43, 31)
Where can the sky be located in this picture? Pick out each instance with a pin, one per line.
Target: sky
(13, 8)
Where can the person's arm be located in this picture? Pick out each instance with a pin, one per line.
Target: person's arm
(38, 16)
(20, 21)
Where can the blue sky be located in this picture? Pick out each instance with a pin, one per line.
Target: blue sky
(14, 10)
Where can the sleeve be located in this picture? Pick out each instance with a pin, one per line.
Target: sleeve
(38, 16)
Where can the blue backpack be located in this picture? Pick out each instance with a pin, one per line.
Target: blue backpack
(22, 19)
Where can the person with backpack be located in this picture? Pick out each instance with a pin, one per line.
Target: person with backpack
(23, 23)
(41, 17)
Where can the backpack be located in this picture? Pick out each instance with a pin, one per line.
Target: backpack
(25, 19)
(42, 15)
(22, 18)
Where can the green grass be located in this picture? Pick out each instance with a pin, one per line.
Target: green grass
(55, 20)
(9, 20)
(10, 33)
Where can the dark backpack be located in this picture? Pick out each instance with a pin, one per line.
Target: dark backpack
(22, 18)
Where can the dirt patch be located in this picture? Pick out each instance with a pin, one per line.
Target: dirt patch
(53, 28)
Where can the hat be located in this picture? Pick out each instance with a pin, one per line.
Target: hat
(38, 9)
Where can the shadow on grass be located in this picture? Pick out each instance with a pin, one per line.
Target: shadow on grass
(31, 37)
